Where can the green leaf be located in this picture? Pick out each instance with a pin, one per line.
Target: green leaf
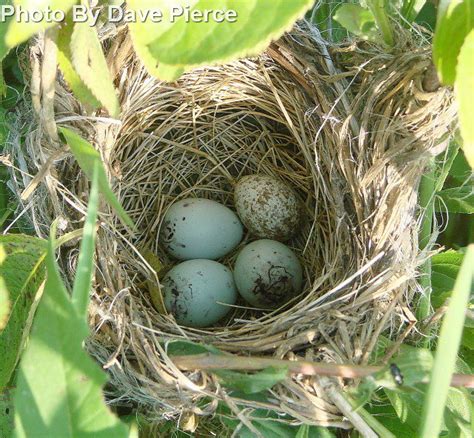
(6, 414)
(21, 271)
(457, 199)
(4, 296)
(464, 87)
(460, 171)
(4, 49)
(184, 44)
(413, 363)
(386, 415)
(407, 400)
(467, 339)
(74, 81)
(87, 157)
(3, 85)
(427, 16)
(184, 348)
(408, 406)
(4, 304)
(357, 20)
(449, 262)
(267, 422)
(85, 264)
(455, 22)
(446, 352)
(90, 64)
(21, 30)
(306, 431)
(411, 9)
(458, 413)
(251, 383)
(444, 270)
(59, 386)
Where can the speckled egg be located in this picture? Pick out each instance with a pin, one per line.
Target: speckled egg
(192, 291)
(267, 273)
(268, 207)
(197, 228)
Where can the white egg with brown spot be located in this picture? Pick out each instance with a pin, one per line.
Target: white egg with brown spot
(268, 207)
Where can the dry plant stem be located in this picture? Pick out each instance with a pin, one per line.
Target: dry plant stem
(212, 362)
(48, 82)
(29, 190)
(35, 83)
(345, 407)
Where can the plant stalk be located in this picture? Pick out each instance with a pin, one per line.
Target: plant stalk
(379, 10)
(431, 183)
(426, 201)
(208, 361)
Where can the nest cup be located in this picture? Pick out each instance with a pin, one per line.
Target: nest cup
(350, 128)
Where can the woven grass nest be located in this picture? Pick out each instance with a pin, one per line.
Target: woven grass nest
(349, 127)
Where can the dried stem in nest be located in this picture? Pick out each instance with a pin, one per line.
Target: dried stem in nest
(215, 362)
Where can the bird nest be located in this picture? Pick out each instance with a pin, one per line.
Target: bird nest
(350, 128)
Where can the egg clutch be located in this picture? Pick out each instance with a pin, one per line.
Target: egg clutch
(199, 291)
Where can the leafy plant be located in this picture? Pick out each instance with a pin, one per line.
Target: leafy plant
(453, 53)
(267, 423)
(81, 58)
(59, 386)
(446, 352)
(251, 383)
(21, 274)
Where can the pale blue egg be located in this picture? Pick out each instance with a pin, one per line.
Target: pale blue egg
(197, 228)
(194, 289)
(267, 273)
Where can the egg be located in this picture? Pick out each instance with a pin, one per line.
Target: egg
(268, 207)
(267, 273)
(193, 290)
(197, 228)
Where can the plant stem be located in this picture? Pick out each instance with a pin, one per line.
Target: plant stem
(408, 10)
(379, 10)
(431, 183)
(208, 361)
(447, 349)
(48, 81)
(371, 420)
(349, 409)
(426, 203)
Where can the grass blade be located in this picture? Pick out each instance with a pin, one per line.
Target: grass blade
(83, 280)
(87, 157)
(446, 353)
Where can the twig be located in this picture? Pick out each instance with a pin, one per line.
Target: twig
(48, 81)
(35, 86)
(45, 168)
(209, 361)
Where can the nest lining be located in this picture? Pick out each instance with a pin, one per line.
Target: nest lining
(352, 144)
